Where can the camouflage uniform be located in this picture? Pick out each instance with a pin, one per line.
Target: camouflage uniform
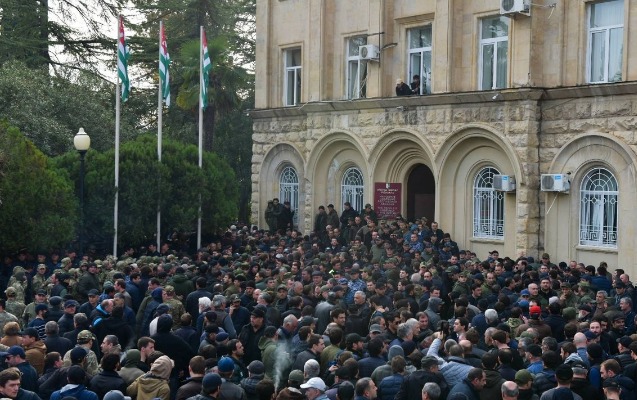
(83, 339)
(19, 288)
(29, 312)
(38, 282)
(14, 307)
(176, 307)
(4, 318)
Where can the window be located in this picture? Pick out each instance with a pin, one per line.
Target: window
(289, 190)
(292, 82)
(598, 209)
(352, 188)
(356, 68)
(494, 49)
(420, 57)
(488, 206)
(605, 41)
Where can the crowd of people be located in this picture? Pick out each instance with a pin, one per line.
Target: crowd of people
(361, 308)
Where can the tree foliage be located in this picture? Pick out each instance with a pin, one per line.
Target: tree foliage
(174, 184)
(50, 110)
(38, 207)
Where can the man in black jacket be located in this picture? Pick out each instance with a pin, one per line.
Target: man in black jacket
(108, 379)
(412, 385)
(251, 334)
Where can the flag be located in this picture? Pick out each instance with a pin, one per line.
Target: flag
(164, 63)
(122, 61)
(206, 66)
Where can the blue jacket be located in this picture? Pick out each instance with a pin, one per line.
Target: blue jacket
(466, 388)
(389, 387)
(80, 392)
(455, 369)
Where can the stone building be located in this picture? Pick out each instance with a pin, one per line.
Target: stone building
(549, 90)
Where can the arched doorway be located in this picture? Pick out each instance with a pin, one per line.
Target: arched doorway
(421, 193)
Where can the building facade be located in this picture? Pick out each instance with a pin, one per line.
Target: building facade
(513, 95)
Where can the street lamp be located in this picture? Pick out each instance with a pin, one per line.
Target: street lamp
(82, 143)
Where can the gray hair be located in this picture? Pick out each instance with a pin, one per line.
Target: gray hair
(361, 293)
(510, 389)
(112, 339)
(51, 327)
(432, 389)
(290, 320)
(218, 300)
(204, 302)
(311, 369)
(603, 293)
(79, 319)
(403, 330)
(491, 315)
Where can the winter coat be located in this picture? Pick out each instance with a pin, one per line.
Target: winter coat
(190, 388)
(129, 372)
(183, 286)
(231, 391)
(116, 326)
(303, 357)
(544, 381)
(80, 392)
(172, 346)
(29, 379)
(87, 282)
(106, 381)
(412, 385)
(26, 395)
(465, 387)
(148, 387)
(367, 365)
(454, 369)
(249, 385)
(268, 356)
(492, 390)
(35, 355)
(250, 340)
(290, 393)
(389, 386)
(584, 388)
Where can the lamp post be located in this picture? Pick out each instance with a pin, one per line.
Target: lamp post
(82, 143)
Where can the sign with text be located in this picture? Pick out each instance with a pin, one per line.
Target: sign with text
(387, 199)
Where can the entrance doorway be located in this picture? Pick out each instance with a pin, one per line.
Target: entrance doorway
(421, 193)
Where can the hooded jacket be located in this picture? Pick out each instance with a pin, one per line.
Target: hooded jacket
(268, 355)
(492, 389)
(153, 384)
(171, 345)
(35, 353)
(183, 286)
(433, 311)
(129, 372)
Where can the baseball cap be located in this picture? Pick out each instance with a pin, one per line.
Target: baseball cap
(296, 376)
(375, 329)
(525, 292)
(535, 310)
(610, 383)
(77, 354)
(94, 292)
(34, 333)
(316, 383)
(258, 312)
(14, 351)
(625, 341)
(71, 303)
(210, 382)
(40, 307)
(523, 376)
(590, 335)
(225, 364)
(84, 336)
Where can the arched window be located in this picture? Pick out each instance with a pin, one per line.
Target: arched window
(352, 188)
(289, 190)
(488, 206)
(598, 209)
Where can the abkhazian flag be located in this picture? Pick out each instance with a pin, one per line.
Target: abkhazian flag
(122, 61)
(164, 63)
(206, 66)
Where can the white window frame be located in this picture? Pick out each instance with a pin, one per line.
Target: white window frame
(289, 190)
(488, 206)
(493, 42)
(606, 31)
(353, 188)
(355, 65)
(599, 206)
(295, 71)
(425, 72)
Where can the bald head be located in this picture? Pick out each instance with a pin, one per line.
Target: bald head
(466, 346)
(579, 340)
(510, 390)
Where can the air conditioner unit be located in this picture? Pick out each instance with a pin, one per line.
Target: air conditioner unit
(554, 183)
(504, 183)
(369, 52)
(512, 7)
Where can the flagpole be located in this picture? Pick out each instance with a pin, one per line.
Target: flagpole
(159, 133)
(201, 82)
(117, 121)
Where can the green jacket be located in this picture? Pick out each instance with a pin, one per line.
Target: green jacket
(268, 355)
